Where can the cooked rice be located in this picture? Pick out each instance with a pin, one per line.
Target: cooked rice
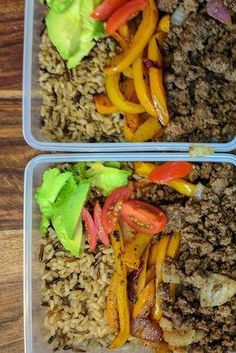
(74, 294)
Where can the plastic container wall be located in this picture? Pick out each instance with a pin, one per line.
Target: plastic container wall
(33, 312)
(34, 14)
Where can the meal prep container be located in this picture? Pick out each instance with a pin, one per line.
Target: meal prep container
(33, 312)
(34, 14)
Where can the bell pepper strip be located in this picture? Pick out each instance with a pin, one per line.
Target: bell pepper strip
(119, 39)
(116, 97)
(106, 8)
(128, 132)
(151, 274)
(156, 312)
(139, 42)
(135, 248)
(146, 131)
(121, 291)
(124, 31)
(154, 53)
(183, 187)
(169, 171)
(164, 24)
(173, 246)
(144, 168)
(90, 228)
(156, 84)
(161, 255)
(97, 215)
(145, 300)
(104, 105)
(161, 37)
(127, 89)
(112, 310)
(128, 72)
(124, 14)
(153, 254)
(143, 274)
(141, 87)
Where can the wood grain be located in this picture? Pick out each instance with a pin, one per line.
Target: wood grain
(14, 155)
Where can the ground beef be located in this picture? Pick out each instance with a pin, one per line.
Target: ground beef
(200, 74)
(208, 246)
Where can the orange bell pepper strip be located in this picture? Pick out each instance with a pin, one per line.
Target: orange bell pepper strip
(135, 248)
(144, 168)
(112, 310)
(116, 97)
(141, 87)
(143, 274)
(140, 40)
(121, 291)
(184, 187)
(164, 24)
(124, 31)
(156, 84)
(130, 125)
(147, 130)
(145, 300)
(122, 42)
(104, 105)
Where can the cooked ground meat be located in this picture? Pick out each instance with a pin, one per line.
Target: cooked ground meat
(200, 74)
(208, 246)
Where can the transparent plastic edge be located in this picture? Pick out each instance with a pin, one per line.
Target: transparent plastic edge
(62, 158)
(27, 73)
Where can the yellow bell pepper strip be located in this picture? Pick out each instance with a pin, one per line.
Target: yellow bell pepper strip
(154, 53)
(160, 258)
(183, 186)
(143, 274)
(145, 300)
(146, 131)
(161, 37)
(116, 97)
(140, 40)
(135, 248)
(172, 251)
(144, 168)
(121, 291)
(164, 24)
(153, 253)
(128, 90)
(112, 310)
(123, 44)
(156, 84)
(151, 274)
(124, 31)
(104, 105)
(141, 87)
(173, 246)
(128, 72)
(128, 131)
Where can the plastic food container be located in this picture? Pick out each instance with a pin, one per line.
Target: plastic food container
(33, 312)
(34, 14)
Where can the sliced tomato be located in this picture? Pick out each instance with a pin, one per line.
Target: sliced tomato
(112, 207)
(97, 215)
(90, 228)
(105, 9)
(143, 217)
(124, 14)
(170, 171)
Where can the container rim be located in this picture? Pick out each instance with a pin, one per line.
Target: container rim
(80, 146)
(70, 158)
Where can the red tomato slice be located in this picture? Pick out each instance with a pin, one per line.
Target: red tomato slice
(105, 9)
(91, 229)
(124, 14)
(143, 217)
(97, 215)
(170, 171)
(112, 207)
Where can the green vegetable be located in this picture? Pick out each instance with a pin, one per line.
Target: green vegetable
(53, 182)
(106, 178)
(71, 28)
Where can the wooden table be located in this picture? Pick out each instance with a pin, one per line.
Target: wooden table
(14, 155)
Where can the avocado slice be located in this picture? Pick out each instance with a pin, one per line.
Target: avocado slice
(64, 29)
(66, 214)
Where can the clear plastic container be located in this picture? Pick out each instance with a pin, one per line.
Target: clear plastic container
(34, 14)
(33, 312)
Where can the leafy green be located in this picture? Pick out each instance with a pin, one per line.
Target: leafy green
(53, 182)
(106, 178)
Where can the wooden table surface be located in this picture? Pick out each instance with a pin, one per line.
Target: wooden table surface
(14, 155)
